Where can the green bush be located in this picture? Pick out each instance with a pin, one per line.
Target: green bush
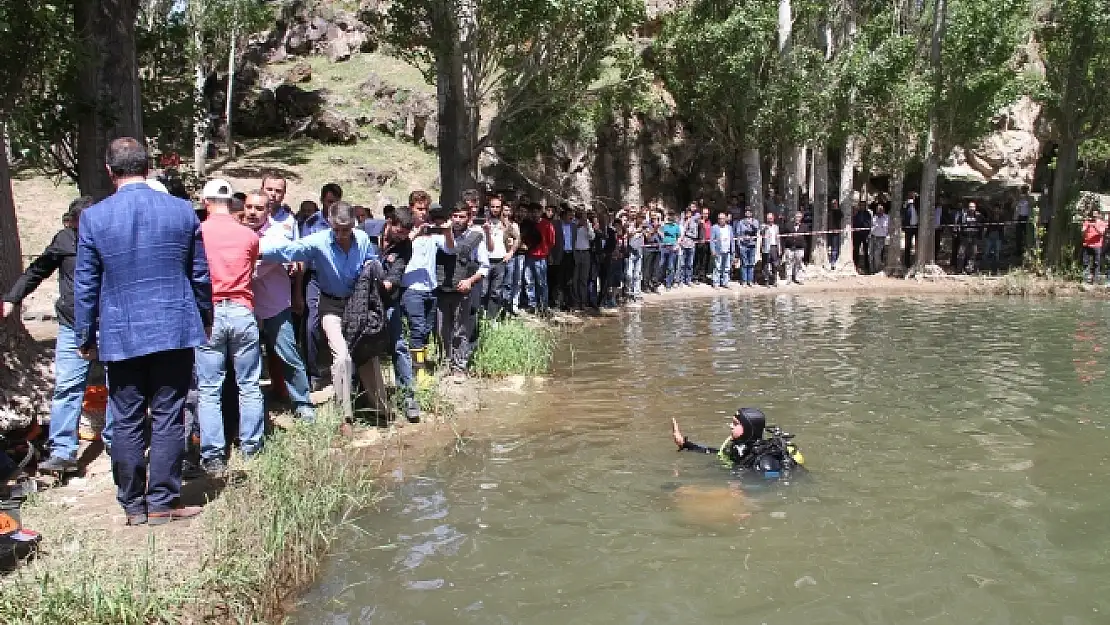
(512, 347)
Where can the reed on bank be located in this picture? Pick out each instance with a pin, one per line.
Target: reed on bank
(512, 347)
(260, 539)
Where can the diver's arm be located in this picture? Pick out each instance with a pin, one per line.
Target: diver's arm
(684, 444)
(701, 449)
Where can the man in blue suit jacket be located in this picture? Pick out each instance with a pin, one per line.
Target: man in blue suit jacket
(143, 301)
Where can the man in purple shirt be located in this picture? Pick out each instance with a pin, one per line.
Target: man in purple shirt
(272, 304)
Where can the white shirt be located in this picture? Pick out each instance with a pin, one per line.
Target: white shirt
(583, 237)
(912, 207)
(880, 225)
(770, 237)
(286, 223)
(568, 232)
(497, 235)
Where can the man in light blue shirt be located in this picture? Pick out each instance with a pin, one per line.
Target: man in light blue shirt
(419, 281)
(337, 256)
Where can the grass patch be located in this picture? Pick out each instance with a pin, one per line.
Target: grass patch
(512, 347)
(1021, 283)
(260, 539)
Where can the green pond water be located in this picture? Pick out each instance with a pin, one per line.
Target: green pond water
(957, 453)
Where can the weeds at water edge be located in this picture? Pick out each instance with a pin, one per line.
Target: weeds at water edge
(512, 347)
(268, 532)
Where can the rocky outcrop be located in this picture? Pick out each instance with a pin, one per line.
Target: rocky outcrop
(1008, 156)
(406, 114)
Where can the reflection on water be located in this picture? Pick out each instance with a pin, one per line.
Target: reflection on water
(957, 448)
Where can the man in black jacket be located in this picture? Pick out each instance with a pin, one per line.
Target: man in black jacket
(71, 372)
(458, 274)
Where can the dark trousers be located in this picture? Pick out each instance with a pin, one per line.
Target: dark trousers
(701, 262)
(312, 330)
(456, 324)
(833, 241)
(911, 238)
(492, 288)
(1022, 225)
(771, 262)
(580, 282)
(160, 382)
(937, 233)
(650, 269)
(859, 251)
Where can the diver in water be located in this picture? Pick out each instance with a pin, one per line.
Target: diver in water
(746, 448)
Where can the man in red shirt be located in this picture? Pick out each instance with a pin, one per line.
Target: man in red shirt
(1094, 230)
(232, 251)
(539, 235)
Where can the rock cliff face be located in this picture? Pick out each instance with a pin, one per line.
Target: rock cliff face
(1009, 155)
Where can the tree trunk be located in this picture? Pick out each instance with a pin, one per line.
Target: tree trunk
(11, 259)
(848, 160)
(926, 234)
(790, 180)
(201, 113)
(108, 86)
(633, 192)
(1061, 227)
(454, 147)
(24, 371)
(230, 91)
(753, 178)
(820, 205)
(894, 250)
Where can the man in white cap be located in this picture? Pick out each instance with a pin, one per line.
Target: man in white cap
(232, 251)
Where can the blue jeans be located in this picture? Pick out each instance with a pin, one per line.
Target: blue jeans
(402, 359)
(535, 280)
(722, 268)
(994, 250)
(687, 266)
(420, 309)
(280, 334)
(71, 372)
(747, 264)
(514, 278)
(670, 264)
(234, 335)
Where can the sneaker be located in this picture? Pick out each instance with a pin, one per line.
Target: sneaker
(54, 464)
(216, 468)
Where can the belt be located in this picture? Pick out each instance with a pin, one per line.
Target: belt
(333, 297)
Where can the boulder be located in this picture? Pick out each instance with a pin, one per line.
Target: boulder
(297, 41)
(374, 177)
(317, 29)
(301, 72)
(338, 51)
(329, 126)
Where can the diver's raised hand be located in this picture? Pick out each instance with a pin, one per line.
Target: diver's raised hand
(676, 434)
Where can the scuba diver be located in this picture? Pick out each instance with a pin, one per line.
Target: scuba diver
(747, 450)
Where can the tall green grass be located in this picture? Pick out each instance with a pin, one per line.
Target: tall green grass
(268, 532)
(512, 347)
(262, 539)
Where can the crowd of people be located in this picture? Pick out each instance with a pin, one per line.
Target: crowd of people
(183, 305)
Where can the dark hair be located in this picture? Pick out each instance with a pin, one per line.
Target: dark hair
(239, 195)
(127, 157)
(419, 197)
(460, 207)
(271, 175)
(333, 189)
(471, 195)
(402, 217)
(77, 206)
(388, 210)
(310, 203)
(438, 213)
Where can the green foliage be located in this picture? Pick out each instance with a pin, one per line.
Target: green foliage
(537, 63)
(1076, 52)
(718, 60)
(512, 347)
(980, 71)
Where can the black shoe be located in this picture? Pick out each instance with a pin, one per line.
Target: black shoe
(54, 464)
(191, 470)
(216, 468)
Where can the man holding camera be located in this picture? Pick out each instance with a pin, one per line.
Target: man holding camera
(418, 298)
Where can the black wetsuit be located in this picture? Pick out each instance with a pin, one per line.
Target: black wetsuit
(771, 458)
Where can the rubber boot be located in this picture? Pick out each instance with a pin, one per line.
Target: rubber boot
(420, 367)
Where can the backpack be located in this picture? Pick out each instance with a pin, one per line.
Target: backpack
(364, 317)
